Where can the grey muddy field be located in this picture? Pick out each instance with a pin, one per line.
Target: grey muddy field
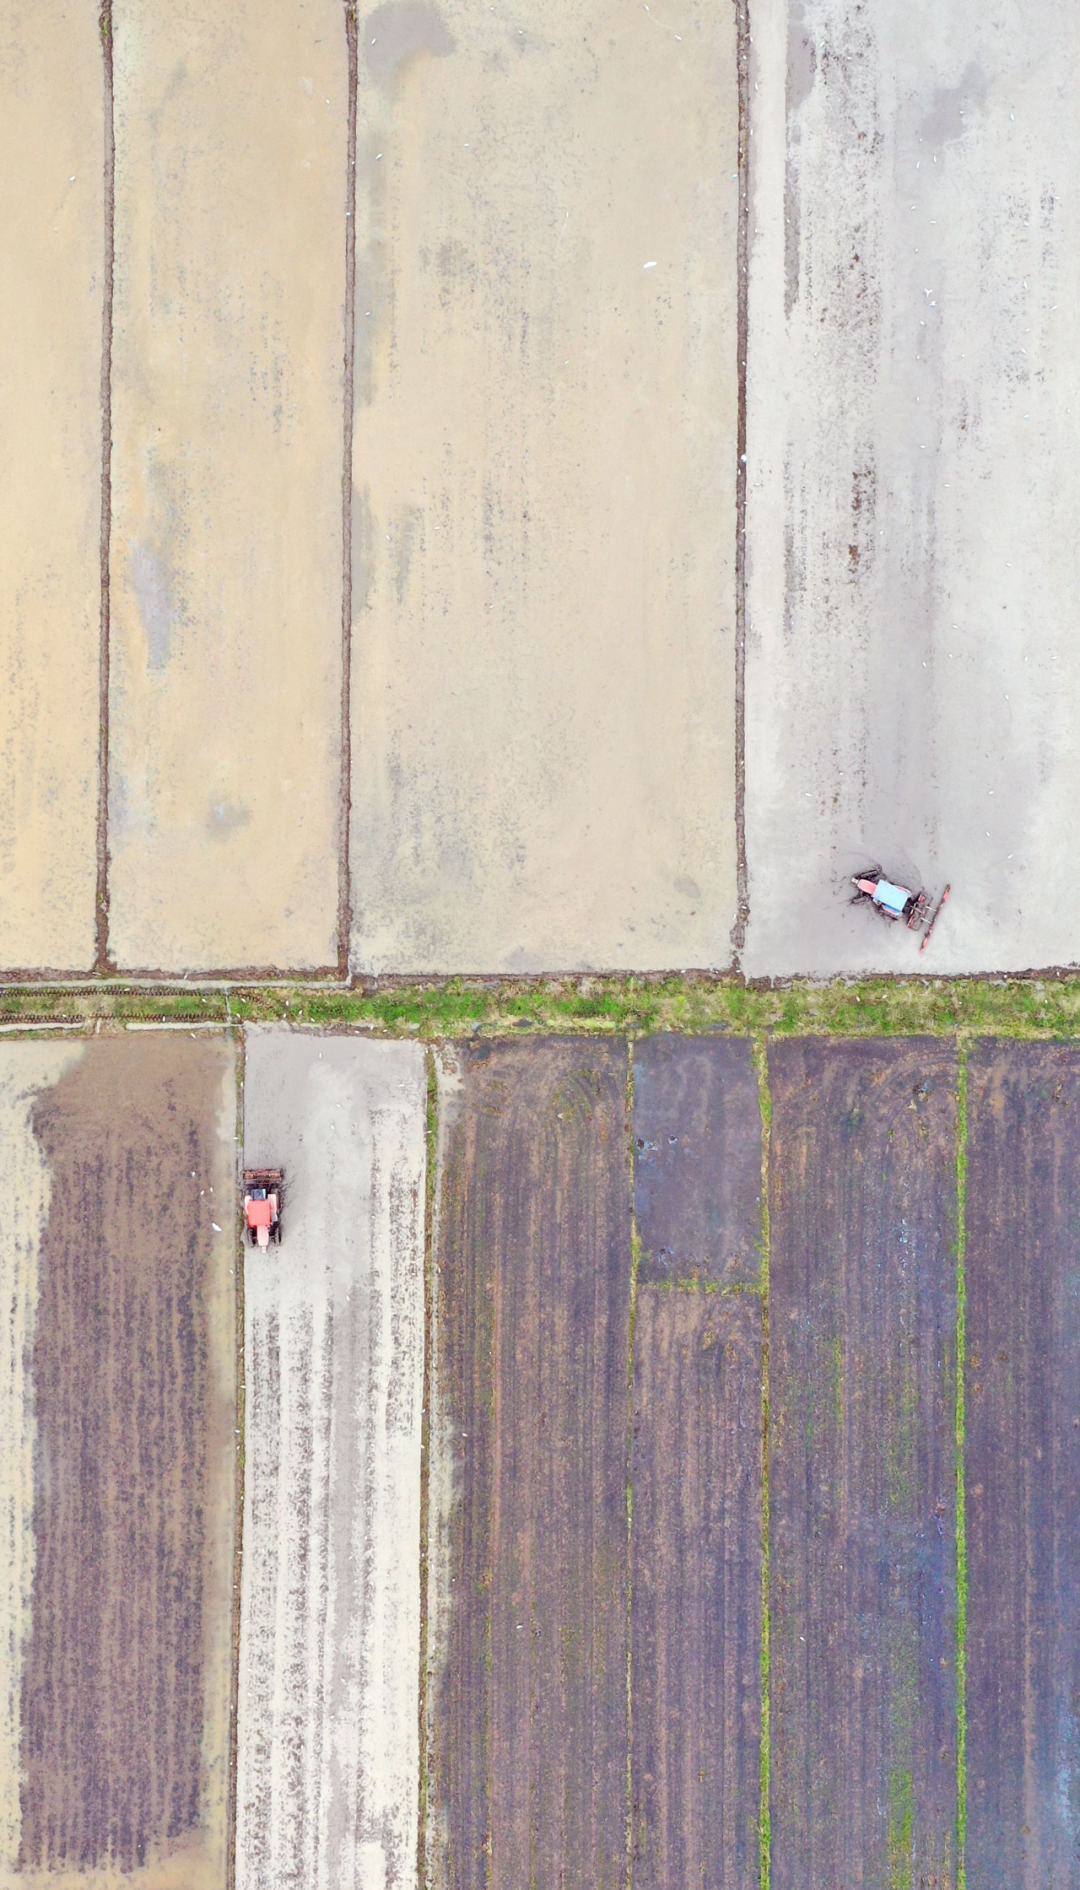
(912, 389)
(334, 1338)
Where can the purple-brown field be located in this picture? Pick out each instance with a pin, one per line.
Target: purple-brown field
(1023, 1466)
(125, 1672)
(861, 1475)
(696, 1595)
(697, 1160)
(529, 1716)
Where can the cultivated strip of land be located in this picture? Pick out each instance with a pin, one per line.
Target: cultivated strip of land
(911, 400)
(126, 1666)
(26, 1069)
(528, 1758)
(330, 1608)
(861, 1470)
(1023, 1466)
(697, 1161)
(544, 466)
(695, 1464)
(51, 248)
(696, 1589)
(225, 552)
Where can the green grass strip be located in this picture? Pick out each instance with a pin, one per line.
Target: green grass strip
(961, 1494)
(761, 1065)
(458, 1007)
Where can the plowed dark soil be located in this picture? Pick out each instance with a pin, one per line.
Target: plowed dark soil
(1023, 1466)
(696, 1595)
(529, 1764)
(697, 1159)
(862, 1474)
(133, 1515)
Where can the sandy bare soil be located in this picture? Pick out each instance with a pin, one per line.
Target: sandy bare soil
(334, 1339)
(544, 474)
(120, 1288)
(51, 270)
(913, 669)
(226, 551)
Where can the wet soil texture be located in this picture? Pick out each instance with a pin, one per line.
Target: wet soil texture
(1023, 1466)
(126, 1669)
(697, 1160)
(862, 1472)
(913, 335)
(328, 1760)
(696, 1589)
(528, 1703)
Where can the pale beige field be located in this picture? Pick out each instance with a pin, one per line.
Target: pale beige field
(51, 263)
(544, 470)
(226, 548)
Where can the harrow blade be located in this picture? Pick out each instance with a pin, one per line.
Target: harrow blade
(936, 916)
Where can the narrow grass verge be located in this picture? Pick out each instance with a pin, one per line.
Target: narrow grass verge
(761, 1065)
(1045, 1007)
(961, 1494)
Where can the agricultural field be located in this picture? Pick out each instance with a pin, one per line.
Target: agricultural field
(862, 1471)
(119, 1463)
(695, 1464)
(329, 1654)
(504, 511)
(1023, 1463)
(528, 1721)
(371, 383)
(912, 668)
(723, 1531)
(52, 243)
(546, 393)
(226, 401)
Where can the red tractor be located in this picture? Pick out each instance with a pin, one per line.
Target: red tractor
(264, 1195)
